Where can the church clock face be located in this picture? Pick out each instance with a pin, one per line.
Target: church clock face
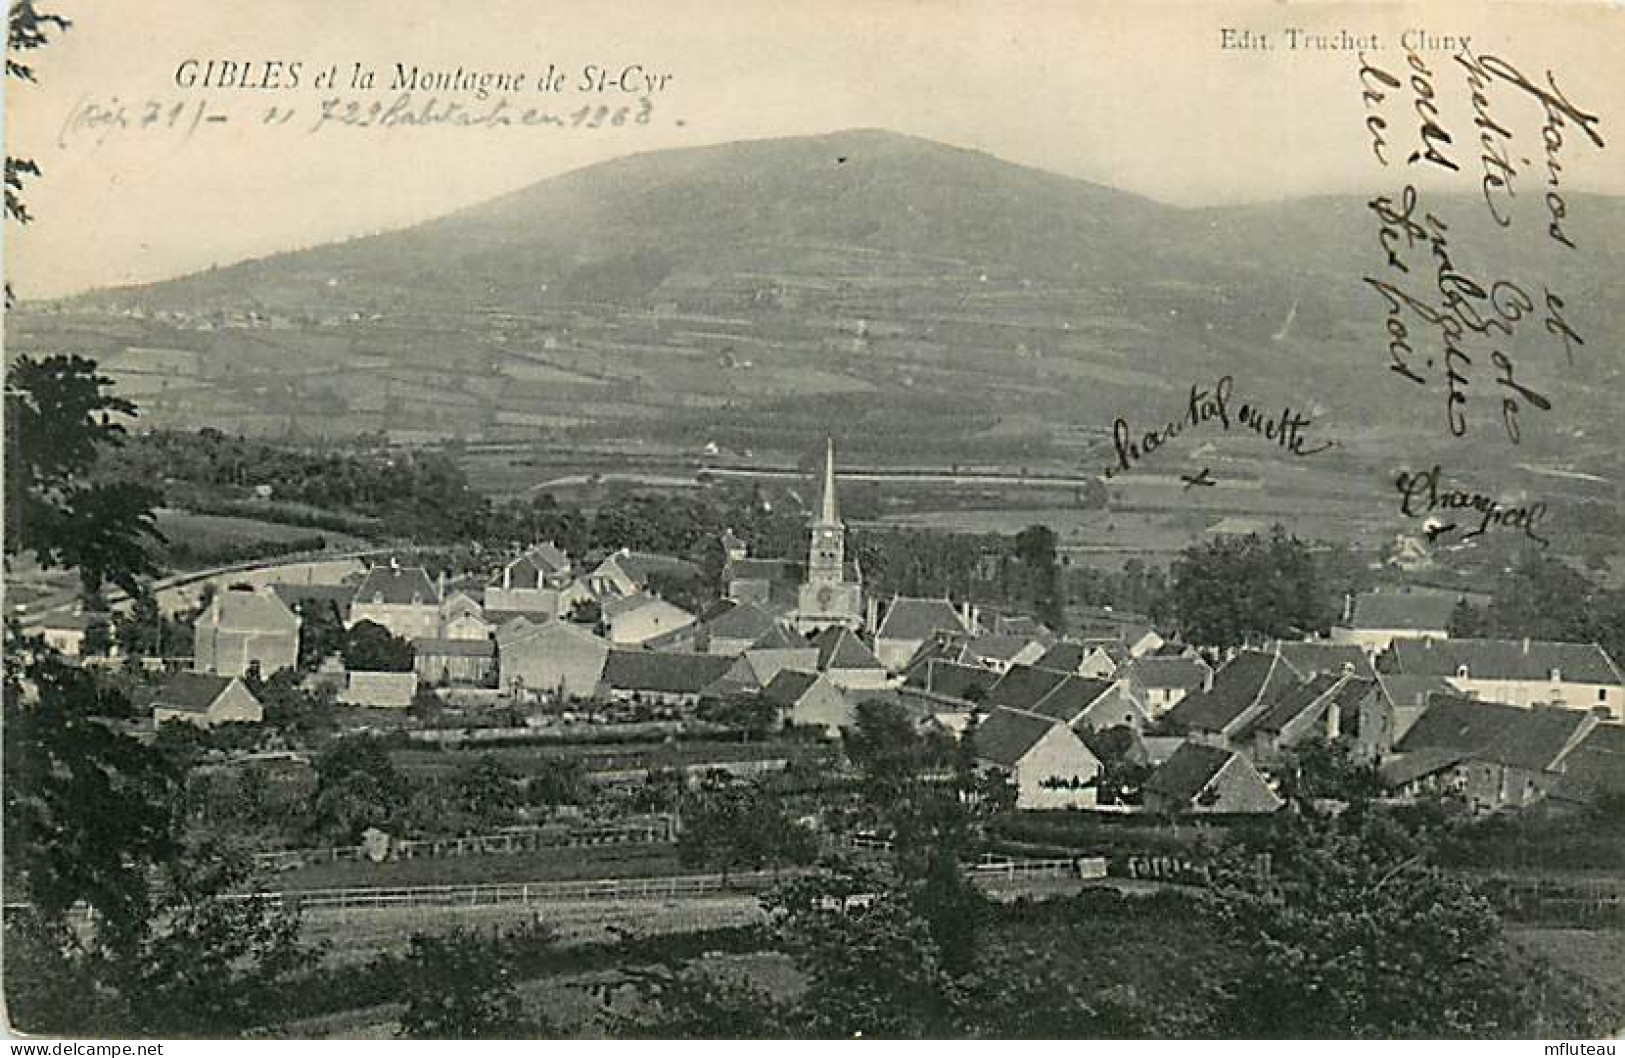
(825, 594)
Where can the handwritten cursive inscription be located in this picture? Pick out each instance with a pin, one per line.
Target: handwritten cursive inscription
(1421, 495)
(1212, 405)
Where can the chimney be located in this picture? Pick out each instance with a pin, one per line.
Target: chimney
(1526, 645)
(1348, 609)
(441, 586)
(872, 614)
(1207, 677)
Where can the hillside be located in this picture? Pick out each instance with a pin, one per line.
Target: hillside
(916, 297)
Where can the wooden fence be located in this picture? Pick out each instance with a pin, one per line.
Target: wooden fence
(649, 830)
(527, 893)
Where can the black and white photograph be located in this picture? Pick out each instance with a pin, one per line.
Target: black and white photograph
(733, 520)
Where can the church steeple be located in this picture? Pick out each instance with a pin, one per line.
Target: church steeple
(828, 510)
(825, 559)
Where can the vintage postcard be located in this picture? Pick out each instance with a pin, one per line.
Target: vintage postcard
(941, 519)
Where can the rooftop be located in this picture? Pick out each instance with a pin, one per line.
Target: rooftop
(191, 692)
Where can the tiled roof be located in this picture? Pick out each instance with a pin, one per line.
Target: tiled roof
(1596, 766)
(840, 648)
(1309, 659)
(770, 569)
(919, 619)
(628, 604)
(939, 648)
(642, 670)
(1288, 703)
(998, 647)
(191, 692)
(250, 609)
(1059, 696)
(1065, 656)
(951, 680)
(1408, 767)
(641, 565)
(1236, 689)
(780, 638)
(1164, 672)
(398, 586)
(1024, 686)
(1005, 736)
(744, 621)
(1502, 659)
(788, 687)
(1408, 611)
(1186, 774)
(301, 597)
(1530, 738)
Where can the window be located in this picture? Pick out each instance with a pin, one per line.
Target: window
(1602, 694)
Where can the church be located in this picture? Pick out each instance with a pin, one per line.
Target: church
(825, 591)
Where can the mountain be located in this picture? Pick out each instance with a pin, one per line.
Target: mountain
(935, 296)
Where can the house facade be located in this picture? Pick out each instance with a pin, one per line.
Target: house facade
(1208, 780)
(531, 583)
(809, 699)
(400, 598)
(1373, 620)
(246, 628)
(1516, 672)
(553, 657)
(1048, 764)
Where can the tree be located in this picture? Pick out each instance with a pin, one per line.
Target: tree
(357, 786)
(488, 789)
(27, 28)
(752, 714)
(1035, 550)
(302, 716)
(458, 987)
(370, 647)
(143, 631)
(1124, 765)
(1327, 769)
(209, 966)
(731, 826)
(1354, 935)
(1243, 590)
(321, 633)
(87, 809)
(58, 420)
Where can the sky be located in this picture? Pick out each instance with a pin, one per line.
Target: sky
(1139, 96)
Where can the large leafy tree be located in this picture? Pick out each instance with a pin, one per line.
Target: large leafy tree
(456, 987)
(1353, 935)
(357, 786)
(370, 647)
(732, 826)
(1247, 589)
(59, 418)
(87, 809)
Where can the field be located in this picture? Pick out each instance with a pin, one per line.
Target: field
(362, 933)
(544, 865)
(1593, 953)
(202, 540)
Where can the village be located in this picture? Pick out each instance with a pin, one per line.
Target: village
(1119, 720)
